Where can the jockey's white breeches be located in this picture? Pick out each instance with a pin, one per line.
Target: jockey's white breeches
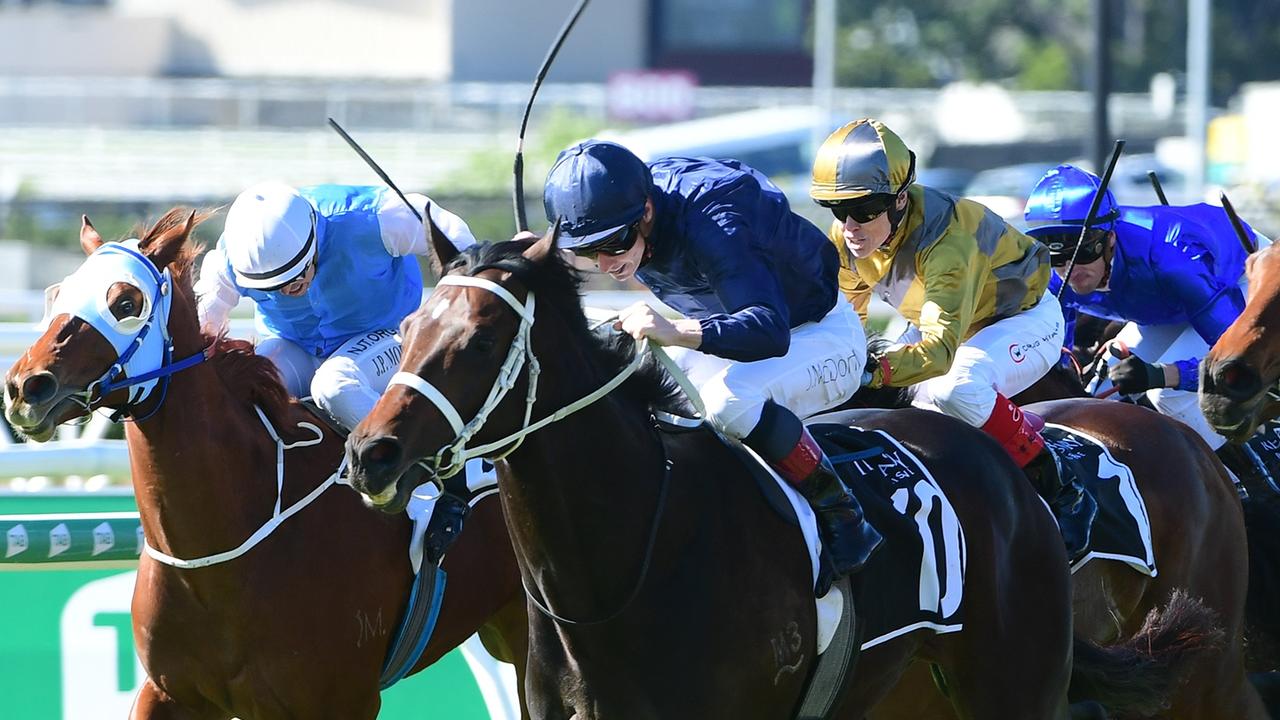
(822, 369)
(1167, 344)
(347, 383)
(1005, 357)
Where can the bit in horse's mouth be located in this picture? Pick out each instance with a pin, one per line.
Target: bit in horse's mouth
(36, 429)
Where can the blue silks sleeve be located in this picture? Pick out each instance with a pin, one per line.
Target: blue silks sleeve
(757, 323)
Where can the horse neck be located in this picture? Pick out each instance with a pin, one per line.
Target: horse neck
(582, 493)
(203, 468)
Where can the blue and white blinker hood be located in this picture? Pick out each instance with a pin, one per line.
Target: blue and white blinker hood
(142, 344)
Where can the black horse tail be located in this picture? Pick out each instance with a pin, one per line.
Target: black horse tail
(1262, 606)
(1137, 677)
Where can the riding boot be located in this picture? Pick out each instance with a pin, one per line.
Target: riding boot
(847, 538)
(1018, 432)
(846, 534)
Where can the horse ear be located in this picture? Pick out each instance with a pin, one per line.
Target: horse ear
(90, 240)
(545, 247)
(442, 250)
(164, 247)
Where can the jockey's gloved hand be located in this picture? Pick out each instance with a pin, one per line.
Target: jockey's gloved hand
(1133, 375)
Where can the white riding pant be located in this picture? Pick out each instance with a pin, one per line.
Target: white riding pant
(822, 369)
(1005, 357)
(1167, 344)
(348, 382)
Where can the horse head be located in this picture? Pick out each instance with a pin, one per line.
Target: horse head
(1245, 362)
(106, 326)
(463, 350)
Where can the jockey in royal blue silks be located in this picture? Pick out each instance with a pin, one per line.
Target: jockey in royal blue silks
(331, 271)
(1174, 273)
(756, 283)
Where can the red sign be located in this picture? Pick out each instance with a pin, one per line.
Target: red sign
(651, 95)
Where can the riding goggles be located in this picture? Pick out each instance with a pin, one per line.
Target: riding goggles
(613, 245)
(1063, 245)
(862, 210)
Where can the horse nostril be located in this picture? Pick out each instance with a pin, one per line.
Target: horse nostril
(381, 453)
(39, 388)
(1237, 380)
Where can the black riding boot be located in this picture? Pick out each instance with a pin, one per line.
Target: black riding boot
(847, 538)
(846, 534)
(1072, 506)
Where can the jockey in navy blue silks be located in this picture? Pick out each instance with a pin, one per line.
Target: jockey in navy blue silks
(330, 270)
(1175, 273)
(763, 336)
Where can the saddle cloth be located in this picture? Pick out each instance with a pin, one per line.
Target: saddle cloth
(916, 579)
(1266, 445)
(1121, 530)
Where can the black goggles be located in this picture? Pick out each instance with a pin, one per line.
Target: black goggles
(862, 211)
(613, 245)
(1063, 245)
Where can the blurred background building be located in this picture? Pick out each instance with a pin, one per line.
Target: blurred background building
(121, 108)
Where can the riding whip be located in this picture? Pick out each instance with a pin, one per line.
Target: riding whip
(1155, 185)
(369, 161)
(1093, 212)
(1237, 225)
(517, 169)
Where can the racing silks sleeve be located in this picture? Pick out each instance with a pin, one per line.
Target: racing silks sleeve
(953, 272)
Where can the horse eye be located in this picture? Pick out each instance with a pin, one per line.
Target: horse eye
(123, 308)
(482, 344)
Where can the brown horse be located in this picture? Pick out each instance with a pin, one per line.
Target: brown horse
(660, 582)
(298, 626)
(1244, 365)
(1198, 542)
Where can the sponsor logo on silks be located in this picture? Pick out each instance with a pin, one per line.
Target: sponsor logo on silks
(104, 538)
(1018, 352)
(17, 541)
(59, 539)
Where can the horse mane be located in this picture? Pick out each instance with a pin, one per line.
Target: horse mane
(243, 372)
(558, 284)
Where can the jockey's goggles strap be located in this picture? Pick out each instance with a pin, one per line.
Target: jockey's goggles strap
(436, 397)
(524, 310)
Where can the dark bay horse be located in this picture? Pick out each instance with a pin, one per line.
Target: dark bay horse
(661, 584)
(299, 625)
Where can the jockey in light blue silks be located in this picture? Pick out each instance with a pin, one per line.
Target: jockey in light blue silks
(331, 271)
(1174, 273)
(718, 242)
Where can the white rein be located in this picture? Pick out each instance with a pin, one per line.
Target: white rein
(520, 352)
(277, 517)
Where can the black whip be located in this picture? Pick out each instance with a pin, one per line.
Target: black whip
(1093, 212)
(368, 160)
(517, 169)
(1237, 225)
(1155, 185)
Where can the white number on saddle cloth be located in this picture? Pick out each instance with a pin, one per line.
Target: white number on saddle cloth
(1122, 529)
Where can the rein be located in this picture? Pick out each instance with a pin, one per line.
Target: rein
(522, 350)
(277, 516)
